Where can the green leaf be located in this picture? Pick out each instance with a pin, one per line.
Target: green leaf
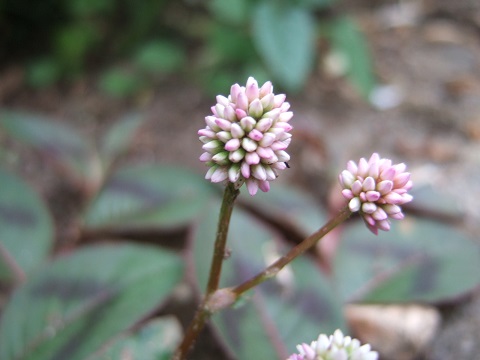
(348, 40)
(55, 139)
(119, 136)
(119, 82)
(72, 44)
(316, 4)
(89, 8)
(285, 38)
(157, 196)
(160, 56)
(155, 341)
(430, 201)
(26, 229)
(228, 45)
(418, 260)
(292, 308)
(79, 302)
(289, 207)
(43, 72)
(233, 12)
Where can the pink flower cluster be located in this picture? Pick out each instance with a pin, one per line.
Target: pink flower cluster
(376, 189)
(334, 347)
(246, 136)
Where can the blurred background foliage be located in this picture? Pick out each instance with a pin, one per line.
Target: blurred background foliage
(94, 196)
(217, 42)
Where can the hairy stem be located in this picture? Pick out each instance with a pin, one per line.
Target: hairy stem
(203, 313)
(299, 249)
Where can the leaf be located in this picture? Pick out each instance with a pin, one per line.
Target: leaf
(232, 12)
(119, 136)
(160, 56)
(348, 40)
(317, 4)
(73, 42)
(155, 341)
(158, 196)
(228, 46)
(78, 302)
(287, 206)
(26, 229)
(285, 38)
(42, 73)
(431, 202)
(282, 312)
(119, 82)
(55, 139)
(418, 260)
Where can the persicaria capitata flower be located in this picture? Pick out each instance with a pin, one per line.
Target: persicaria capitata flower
(334, 347)
(246, 136)
(376, 189)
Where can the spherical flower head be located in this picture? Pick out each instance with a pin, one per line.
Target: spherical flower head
(246, 136)
(376, 189)
(334, 347)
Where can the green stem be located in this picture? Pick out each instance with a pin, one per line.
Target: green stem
(229, 197)
(12, 264)
(299, 249)
(203, 314)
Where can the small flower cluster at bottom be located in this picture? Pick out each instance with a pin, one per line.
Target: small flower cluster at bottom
(334, 347)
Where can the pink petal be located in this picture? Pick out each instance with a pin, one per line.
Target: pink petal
(251, 89)
(252, 186)
(368, 184)
(205, 157)
(352, 167)
(401, 179)
(286, 116)
(347, 194)
(259, 172)
(252, 158)
(384, 187)
(255, 135)
(249, 144)
(278, 100)
(237, 131)
(223, 124)
(232, 144)
(264, 124)
(255, 109)
(393, 198)
(356, 187)
(237, 155)
(362, 168)
(266, 89)
(240, 113)
(222, 100)
(372, 196)
(369, 208)
(264, 186)
(235, 90)
(247, 123)
(379, 214)
(265, 153)
(219, 175)
(245, 170)
(267, 140)
(242, 101)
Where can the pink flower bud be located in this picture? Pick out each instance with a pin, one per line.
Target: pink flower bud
(246, 136)
(376, 189)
